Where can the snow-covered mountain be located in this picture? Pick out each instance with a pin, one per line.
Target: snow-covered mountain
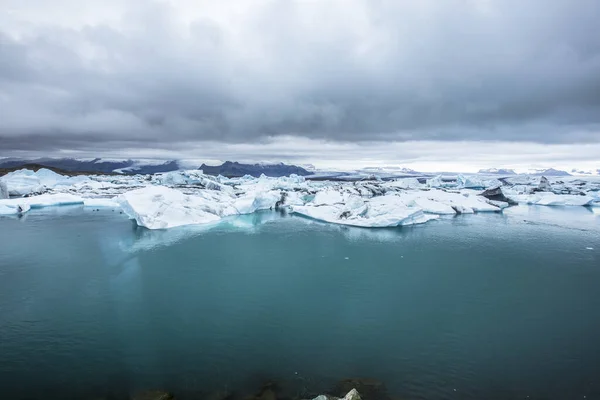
(497, 171)
(151, 166)
(547, 172)
(390, 170)
(97, 165)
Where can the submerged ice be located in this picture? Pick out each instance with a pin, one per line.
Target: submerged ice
(177, 198)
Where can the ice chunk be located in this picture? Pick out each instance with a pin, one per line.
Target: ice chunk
(328, 196)
(435, 182)
(159, 207)
(551, 199)
(469, 182)
(432, 206)
(404, 183)
(13, 207)
(464, 203)
(378, 212)
(22, 182)
(190, 177)
(19, 205)
(252, 202)
(49, 178)
(544, 185)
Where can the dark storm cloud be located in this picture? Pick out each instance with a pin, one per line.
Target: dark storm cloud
(345, 71)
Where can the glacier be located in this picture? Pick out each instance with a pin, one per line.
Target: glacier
(190, 197)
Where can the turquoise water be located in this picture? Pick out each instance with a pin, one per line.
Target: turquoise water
(485, 306)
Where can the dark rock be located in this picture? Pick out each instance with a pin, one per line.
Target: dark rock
(281, 202)
(496, 194)
(345, 214)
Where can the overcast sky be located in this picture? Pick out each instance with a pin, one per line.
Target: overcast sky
(455, 84)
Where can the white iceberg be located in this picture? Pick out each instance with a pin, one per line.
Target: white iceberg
(464, 203)
(22, 182)
(551, 199)
(377, 212)
(24, 204)
(160, 207)
(430, 206)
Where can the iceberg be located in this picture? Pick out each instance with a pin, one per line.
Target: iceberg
(544, 185)
(13, 208)
(431, 206)
(24, 204)
(469, 182)
(551, 199)
(22, 182)
(160, 207)
(378, 212)
(437, 182)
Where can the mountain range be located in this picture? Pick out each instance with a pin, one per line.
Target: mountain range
(129, 166)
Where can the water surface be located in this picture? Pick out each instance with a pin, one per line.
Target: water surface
(480, 306)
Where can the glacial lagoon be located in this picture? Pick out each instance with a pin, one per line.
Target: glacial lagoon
(495, 306)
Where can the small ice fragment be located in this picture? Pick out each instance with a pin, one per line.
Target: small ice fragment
(346, 258)
(589, 248)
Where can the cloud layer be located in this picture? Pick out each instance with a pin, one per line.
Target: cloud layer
(108, 75)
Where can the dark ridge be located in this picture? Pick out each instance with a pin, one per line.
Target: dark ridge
(36, 167)
(96, 166)
(234, 169)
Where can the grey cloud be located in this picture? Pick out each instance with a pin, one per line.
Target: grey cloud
(353, 71)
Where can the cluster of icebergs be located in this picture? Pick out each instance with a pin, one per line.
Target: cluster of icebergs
(178, 198)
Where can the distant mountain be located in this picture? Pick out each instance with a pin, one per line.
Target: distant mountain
(548, 172)
(390, 170)
(582, 172)
(497, 171)
(95, 165)
(235, 169)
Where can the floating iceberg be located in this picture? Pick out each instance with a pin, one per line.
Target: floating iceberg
(24, 204)
(438, 182)
(160, 207)
(551, 199)
(475, 182)
(378, 212)
(22, 182)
